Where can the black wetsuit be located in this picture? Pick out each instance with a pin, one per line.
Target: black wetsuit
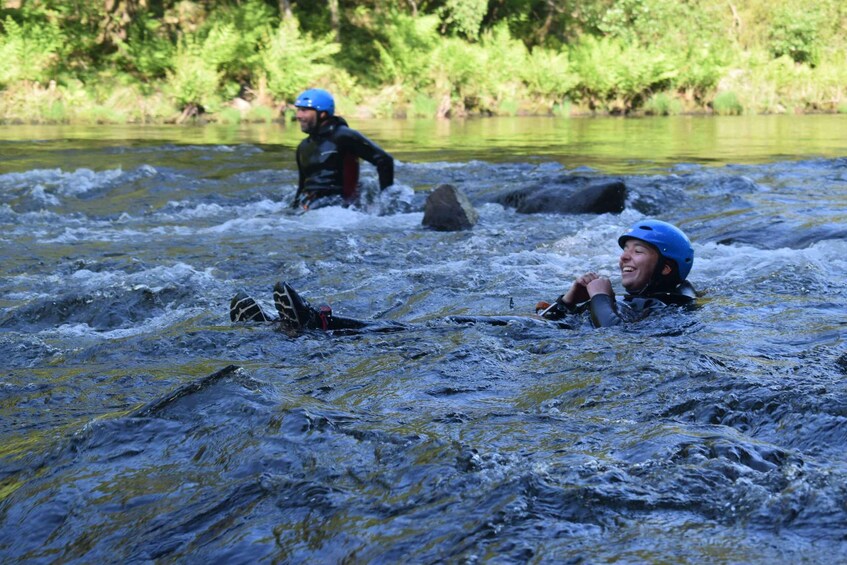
(603, 309)
(606, 311)
(328, 162)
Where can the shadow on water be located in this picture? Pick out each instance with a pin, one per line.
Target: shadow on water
(139, 424)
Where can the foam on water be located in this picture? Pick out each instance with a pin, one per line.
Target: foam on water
(88, 234)
(74, 183)
(86, 334)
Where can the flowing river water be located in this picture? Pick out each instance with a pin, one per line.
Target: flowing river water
(140, 425)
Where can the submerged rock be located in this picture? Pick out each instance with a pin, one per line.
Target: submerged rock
(448, 209)
(841, 362)
(569, 195)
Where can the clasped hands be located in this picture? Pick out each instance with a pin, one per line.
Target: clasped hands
(586, 286)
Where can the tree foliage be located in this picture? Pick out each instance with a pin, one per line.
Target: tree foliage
(291, 60)
(457, 56)
(796, 33)
(29, 51)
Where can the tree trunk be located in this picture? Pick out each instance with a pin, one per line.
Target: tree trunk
(285, 9)
(119, 14)
(334, 18)
(736, 19)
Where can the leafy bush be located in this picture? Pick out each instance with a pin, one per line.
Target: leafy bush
(662, 104)
(292, 61)
(549, 74)
(465, 16)
(669, 25)
(690, 36)
(424, 106)
(195, 78)
(241, 30)
(700, 69)
(29, 51)
(147, 51)
(794, 32)
(508, 107)
(612, 70)
(220, 50)
(406, 48)
(631, 20)
(497, 78)
(727, 104)
(229, 116)
(456, 68)
(471, 75)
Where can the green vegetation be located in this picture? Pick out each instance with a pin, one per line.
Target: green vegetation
(663, 104)
(727, 104)
(134, 61)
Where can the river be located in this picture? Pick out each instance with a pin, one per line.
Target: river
(140, 425)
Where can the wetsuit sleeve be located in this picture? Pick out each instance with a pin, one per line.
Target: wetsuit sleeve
(362, 147)
(604, 311)
(561, 310)
(301, 181)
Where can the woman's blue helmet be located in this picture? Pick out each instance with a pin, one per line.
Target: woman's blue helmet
(668, 239)
(317, 99)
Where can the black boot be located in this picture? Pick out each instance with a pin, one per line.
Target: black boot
(296, 313)
(243, 308)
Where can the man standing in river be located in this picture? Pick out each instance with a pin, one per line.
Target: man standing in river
(328, 159)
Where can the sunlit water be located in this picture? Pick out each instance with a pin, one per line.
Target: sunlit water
(138, 424)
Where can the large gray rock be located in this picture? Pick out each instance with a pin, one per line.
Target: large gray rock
(573, 195)
(448, 209)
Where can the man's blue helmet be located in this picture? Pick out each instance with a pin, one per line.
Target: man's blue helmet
(317, 99)
(670, 241)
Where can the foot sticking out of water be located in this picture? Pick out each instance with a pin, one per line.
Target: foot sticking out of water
(296, 313)
(242, 308)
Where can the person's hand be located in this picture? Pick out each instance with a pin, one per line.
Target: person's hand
(579, 289)
(600, 285)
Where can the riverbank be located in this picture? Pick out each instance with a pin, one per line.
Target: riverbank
(33, 104)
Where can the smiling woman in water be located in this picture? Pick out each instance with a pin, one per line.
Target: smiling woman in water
(655, 262)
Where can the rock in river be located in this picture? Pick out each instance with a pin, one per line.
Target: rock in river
(448, 209)
(568, 195)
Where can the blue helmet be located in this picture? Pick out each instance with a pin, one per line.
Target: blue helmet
(317, 99)
(668, 239)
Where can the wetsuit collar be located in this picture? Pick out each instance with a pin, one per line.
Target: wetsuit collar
(327, 126)
(683, 293)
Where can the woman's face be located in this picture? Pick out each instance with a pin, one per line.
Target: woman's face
(637, 263)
